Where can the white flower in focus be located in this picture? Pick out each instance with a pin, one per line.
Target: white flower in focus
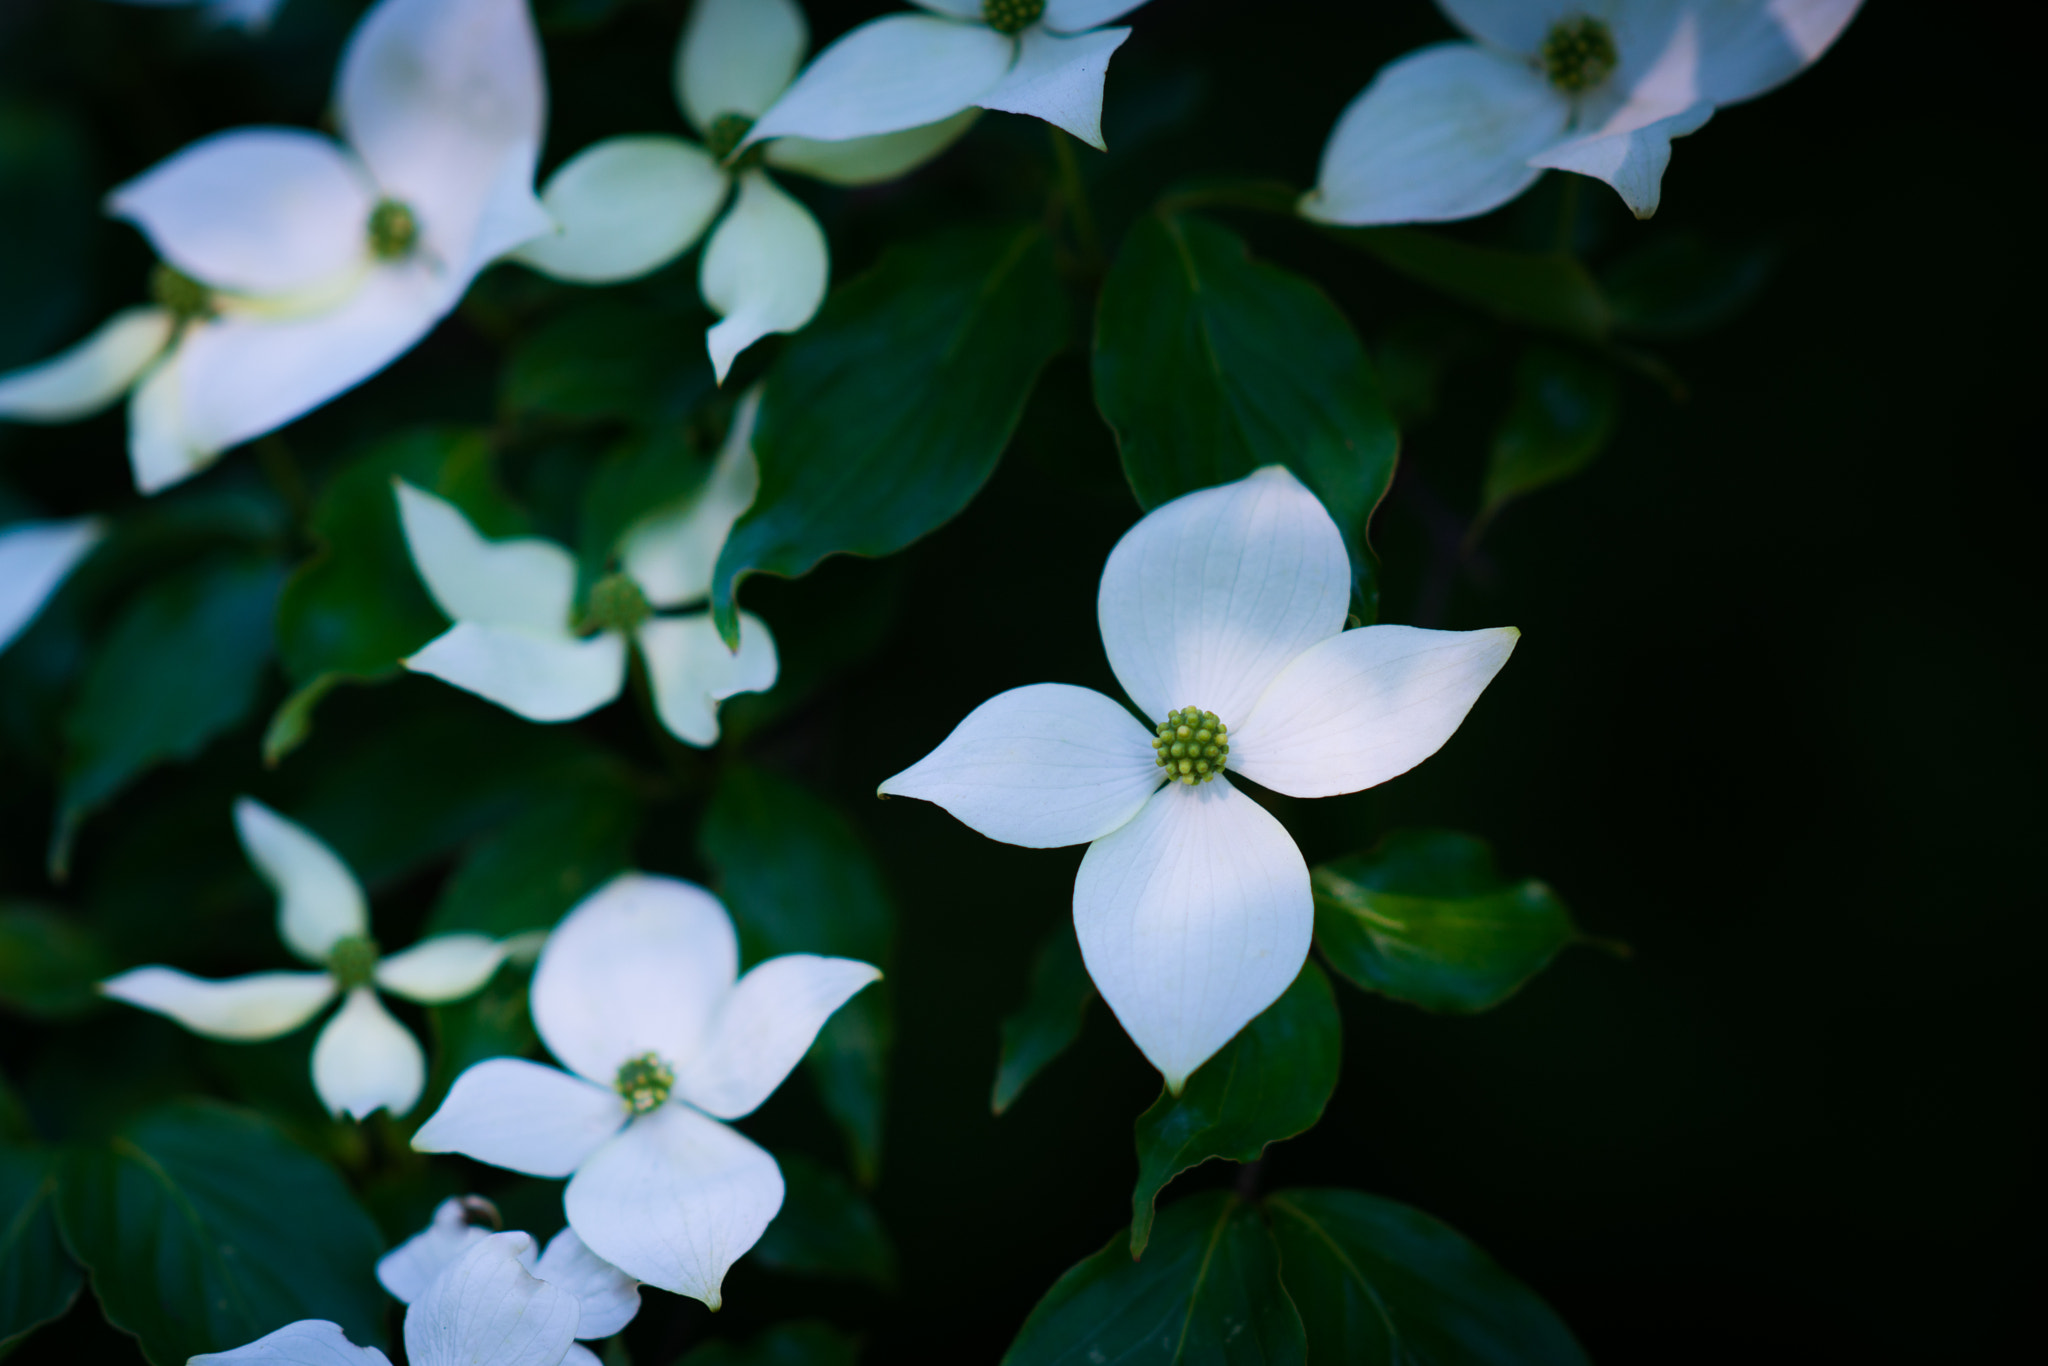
(1045, 58)
(628, 205)
(638, 991)
(1223, 614)
(35, 559)
(515, 639)
(364, 1059)
(1599, 87)
(296, 267)
(252, 15)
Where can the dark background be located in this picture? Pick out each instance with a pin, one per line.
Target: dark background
(1769, 723)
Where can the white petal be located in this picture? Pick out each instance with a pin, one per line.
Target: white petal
(259, 210)
(518, 1114)
(624, 207)
(868, 161)
(671, 555)
(1208, 597)
(1193, 918)
(524, 581)
(607, 1297)
(85, 379)
(737, 56)
(1517, 26)
(1364, 706)
(1443, 133)
(408, 1269)
(969, 10)
(319, 900)
(1748, 49)
(764, 1028)
(35, 559)
(675, 1200)
(542, 677)
(1631, 160)
(899, 71)
(1040, 766)
(444, 100)
(447, 967)
(309, 1342)
(262, 1005)
(1059, 80)
(692, 670)
(1072, 16)
(160, 451)
(365, 1061)
(639, 966)
(490, 1308)
(579, 1355)
(764, 269)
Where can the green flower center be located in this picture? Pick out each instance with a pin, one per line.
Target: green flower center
(1011, 16)
(393, 230)
(178, 292)
(353, 961)
(645, 1082)
(615, 604)
(727, 132)
(1192, 745)
(1579, 54)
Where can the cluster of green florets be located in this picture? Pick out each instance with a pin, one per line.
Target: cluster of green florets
(1579, 54)
(1192, 745)
(645, 1082)
(725, 134)
(615, 604)
(1011, 16)
(353, 960)
(393, 230)
(178, 293)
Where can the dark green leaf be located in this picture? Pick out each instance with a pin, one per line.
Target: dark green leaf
(786, 1344)
(798, 880)
(204, 1228)
(1560, 417)
(1209, 364)
(1551, 292)
(1424, 918)
(611, 356)
(1269, 1083)
(648, 472)
(494, 1023)
(1050, 1019)
(825, 1228)
(1684, 284)
(1380, 1284)
(885, 416)
(1208, 1294)
(181, 665)
(38, 1280)
(48, 962)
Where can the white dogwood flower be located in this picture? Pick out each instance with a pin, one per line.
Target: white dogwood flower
(1045, 58)
(491, 1303)
(35, 559)
(629, 205)
(295, 266)
(515, 639)
(364, 1059)
(1223, 614)
(1599, 87)
(638, 991)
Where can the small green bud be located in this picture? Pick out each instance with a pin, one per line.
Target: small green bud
(1011, 16)
(353, 961)
(178, 292)
(393, 230)
(1579, 53)
(1192, 745)
(725, 134)
(645, 1082)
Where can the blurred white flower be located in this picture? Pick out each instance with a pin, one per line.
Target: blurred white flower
(638, 991)
(35, 559)
(1223, 616)
(254, 15)
(364, 1059)
(1599, 87)
(515, 639)
(296, 267)
(628, 205)
(1045, 58)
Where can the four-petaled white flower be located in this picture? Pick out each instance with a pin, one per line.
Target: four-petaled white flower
(1045, 58)
(1223, 615)
(515, 638)
(1599, 87)
(35, 559)
(296, 267)
(629, 205)
(638, 991)
(364, 1059)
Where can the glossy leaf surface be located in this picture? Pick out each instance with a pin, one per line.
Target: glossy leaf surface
(38, 1279)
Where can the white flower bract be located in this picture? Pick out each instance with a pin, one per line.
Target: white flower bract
(35, 559)
(1192, 903)
(638, 993)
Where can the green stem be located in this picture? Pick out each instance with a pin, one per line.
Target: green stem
(1075, 195)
